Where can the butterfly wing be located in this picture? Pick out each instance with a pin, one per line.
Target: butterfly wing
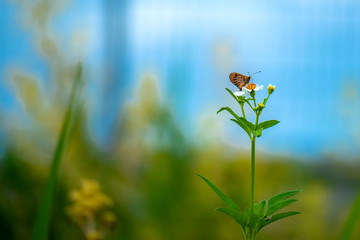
(239, 80)
(233, 78)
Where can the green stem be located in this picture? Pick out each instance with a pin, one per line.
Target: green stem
(249, 104)
(252, 185)
(266, 99)
(242, 109)
(257, 119)
(252, 191)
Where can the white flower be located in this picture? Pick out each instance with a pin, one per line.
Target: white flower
(239, 94)
(253, 86)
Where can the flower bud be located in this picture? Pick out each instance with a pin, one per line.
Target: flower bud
(252, 93)
(241, 99)
(261, 105)
(271, 88)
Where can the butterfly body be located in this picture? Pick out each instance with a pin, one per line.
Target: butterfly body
(239, 80)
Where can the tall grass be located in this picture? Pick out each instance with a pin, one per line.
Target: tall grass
(42, 221)
(352, 220)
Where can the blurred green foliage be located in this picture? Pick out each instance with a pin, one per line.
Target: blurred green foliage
(149, 170)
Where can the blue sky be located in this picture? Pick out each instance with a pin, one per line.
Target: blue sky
(309, 49)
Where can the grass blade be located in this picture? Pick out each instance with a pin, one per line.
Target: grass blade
(42, 221)
(352, 220)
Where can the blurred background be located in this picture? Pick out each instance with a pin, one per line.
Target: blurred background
(155, 74)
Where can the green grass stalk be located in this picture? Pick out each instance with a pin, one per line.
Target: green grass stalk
(42, 221)
(352, 220)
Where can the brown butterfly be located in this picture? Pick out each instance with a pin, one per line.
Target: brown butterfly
(240, 80)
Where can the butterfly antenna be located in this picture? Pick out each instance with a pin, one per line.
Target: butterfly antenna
(256, 73)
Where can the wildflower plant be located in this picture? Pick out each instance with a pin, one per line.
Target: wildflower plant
(88, 209)
(260, 214)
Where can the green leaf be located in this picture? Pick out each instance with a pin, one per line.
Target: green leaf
(230, 111)
(279, 205)
(277, 217)
(247, 123)
(236, 215)
(257, 207)
(247, 216)
(232, 94)
(258, 132)
(259, 212)
(262, 208)
(282, 196)
(229, 203)
(242, 122)
(268, 124)
(243, 125)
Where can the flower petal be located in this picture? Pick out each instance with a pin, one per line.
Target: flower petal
(238, 94)
(258, 88)
(248, 90)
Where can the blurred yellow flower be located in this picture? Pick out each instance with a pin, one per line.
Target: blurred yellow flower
(87, 204)
(108, 220)
(93, 235)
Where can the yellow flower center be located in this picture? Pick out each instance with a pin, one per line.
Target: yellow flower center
(251, 86)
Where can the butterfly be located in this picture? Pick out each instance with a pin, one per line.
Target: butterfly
(240, 80)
